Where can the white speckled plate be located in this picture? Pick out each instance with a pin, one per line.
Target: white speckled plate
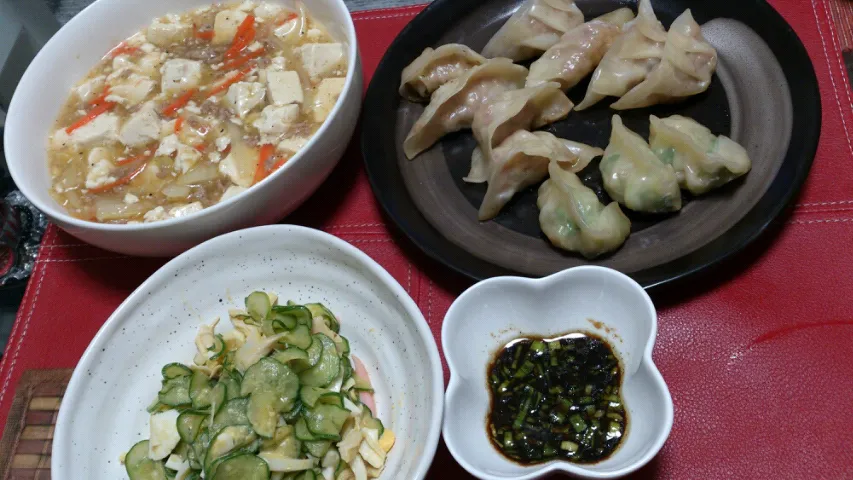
(103, 412)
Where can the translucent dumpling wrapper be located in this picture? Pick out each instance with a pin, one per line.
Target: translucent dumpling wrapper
(630, 59)
(533, 28)
(686, 69)
(522, 109)
(453, 105)
(579, 51)
(434, 68)
(702, 161)
(521, 161)
(573, 218)
(635, 177)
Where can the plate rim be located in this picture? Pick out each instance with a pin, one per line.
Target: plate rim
(745, 232)
(162, 274)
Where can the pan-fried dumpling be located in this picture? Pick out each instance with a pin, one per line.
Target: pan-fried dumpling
(453, 105)
(573, 219)
(578, 51)
(533, 28)
(702, 160)
(522, 160)
(434, 68)
(523, 109)
(688, 64)
(630, 59)
(634, 176)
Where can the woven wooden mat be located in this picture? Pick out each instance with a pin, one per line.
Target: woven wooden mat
(26, 444)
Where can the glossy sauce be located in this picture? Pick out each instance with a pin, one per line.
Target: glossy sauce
(556, 399)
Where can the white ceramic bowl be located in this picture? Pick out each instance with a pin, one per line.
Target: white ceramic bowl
(103, 411)
(491, 313)
(78, 46)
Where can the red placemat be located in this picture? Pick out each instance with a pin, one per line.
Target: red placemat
(757, 356)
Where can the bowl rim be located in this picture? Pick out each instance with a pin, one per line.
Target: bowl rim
(16, 120)
(459, 451)
(73, 394)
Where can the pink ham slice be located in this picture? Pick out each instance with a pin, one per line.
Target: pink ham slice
(365, 397)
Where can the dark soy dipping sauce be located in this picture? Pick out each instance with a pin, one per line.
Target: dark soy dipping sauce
(556, 399)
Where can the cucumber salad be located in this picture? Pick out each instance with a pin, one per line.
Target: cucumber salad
(278, 397)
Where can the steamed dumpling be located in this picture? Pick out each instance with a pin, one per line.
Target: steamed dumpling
(523, 109)
(573, 219)
(688, 64)
(533, 28)
(634, 176)
(453, 105)
(521, 161)
(630, 59)
(434, 68)
(702, 160)
(579, 51)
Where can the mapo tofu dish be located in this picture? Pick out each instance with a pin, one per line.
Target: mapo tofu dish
(193, 110)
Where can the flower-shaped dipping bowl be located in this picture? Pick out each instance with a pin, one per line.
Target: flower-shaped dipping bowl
(592, 299)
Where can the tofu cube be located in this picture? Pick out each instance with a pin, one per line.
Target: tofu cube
(225, 25)
(133, 91)
(165, 31)
(90, 89)
(292, 145)
(100, 167)
(267, 11)
(232, 191)
(179, 75)
(276, 119)
(141, 128)
(327, 95)
(168, 146)
(102, 130)
(186, 158)
(154, 215)
(150, 63)
(244, 96)
(184, 210)
(228, 166)
(284, 87)
(322, 59)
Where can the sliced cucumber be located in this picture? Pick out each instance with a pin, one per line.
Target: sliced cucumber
(233, 412)
(219, 347)
(298, 337)
(369, 421)
(327, 368)
(263, 412)
(174, 370)
(326, 421)
(347, 366)
(231, 379)
(318, 448)
(242, 467)
(300, 430)
(198, 449)
(310, 395)
(288, 317)
(268, 374)
(190, 424)
(218, 398)
(175, 391)
(290, 354)
(332, 398)
(200, 388)
(258, 305)
(320, 310)
(345, 344)
(307, 475)
(234, 438)
(140, 467)
(294, 412)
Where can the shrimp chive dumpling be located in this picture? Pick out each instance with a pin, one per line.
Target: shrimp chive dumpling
(579, 51)
(688, 64)
(453, 105)
(574, 219)
(522, 109)
(434, 68)
(630, 59)
(702, 160)
(635, 177)
(522, 160)
(533, 28)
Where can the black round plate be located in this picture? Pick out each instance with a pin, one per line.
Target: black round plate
(754, 41)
